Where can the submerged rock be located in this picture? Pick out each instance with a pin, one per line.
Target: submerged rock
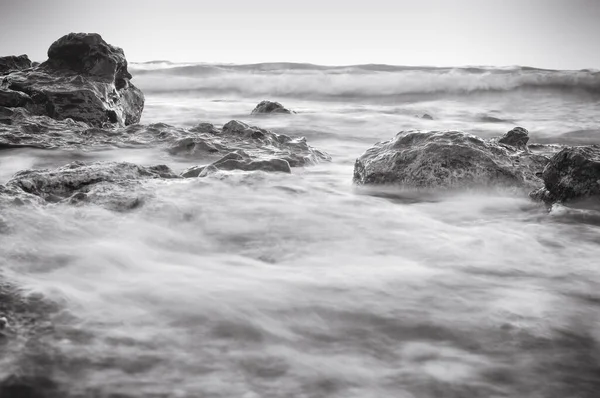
(447, 159)
(267, 107)
(105, 183)
(14, 62)
(239, 160)
(517, 137)
(572, 175)
(85, 79)
(427, 116)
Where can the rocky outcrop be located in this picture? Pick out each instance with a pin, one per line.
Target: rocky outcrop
(239, 160)
(448, 159)
(517, 137)
(84, 79)
(13, 63)
(269, 107)
(572, 175)
(105, 183)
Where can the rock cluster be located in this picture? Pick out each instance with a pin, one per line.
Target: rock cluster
(84, 79)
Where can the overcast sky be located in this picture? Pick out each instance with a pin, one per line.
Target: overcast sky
(562, 34)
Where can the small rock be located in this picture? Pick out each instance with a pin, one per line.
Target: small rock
(517, 137)
(427, 116)
(267, 107)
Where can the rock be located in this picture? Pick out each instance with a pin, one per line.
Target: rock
(572, 175)
(239, 160)
(261, 142)
(85, 79)
(105, 183)
(267, 107)
(427, 116)
(447, 159)
(13, 63)
(193, 146)
(517, 137)
(13, 99)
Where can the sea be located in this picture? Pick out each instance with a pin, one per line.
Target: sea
(254, 284)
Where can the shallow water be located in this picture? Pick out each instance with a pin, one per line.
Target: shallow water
(276, 285)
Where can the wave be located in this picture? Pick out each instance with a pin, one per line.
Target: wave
(308, 80)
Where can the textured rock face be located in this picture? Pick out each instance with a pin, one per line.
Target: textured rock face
(267, 107)
(239, 160)
(13, 63)
(105, 183)
(573, 174)
(85, 79)
(517, 137)
(447, 159)
(13, 99)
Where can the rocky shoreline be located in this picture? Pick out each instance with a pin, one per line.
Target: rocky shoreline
(82, 98)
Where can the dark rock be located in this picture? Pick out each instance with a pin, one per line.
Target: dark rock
(109, 184)
(265, 143)
(572, 175)
(267, 107)
(239, 160)
(427, 116)
(13, 99)
(85, 79)
(193, 146)
(517, 137)
(13, 63)
(447, 159)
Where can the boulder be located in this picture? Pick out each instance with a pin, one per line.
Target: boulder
(107, 183)
(85, 79)
(447, 159)
(13, 63)
(239, 160)
(572, 175)
(517, 137)
(268, 107)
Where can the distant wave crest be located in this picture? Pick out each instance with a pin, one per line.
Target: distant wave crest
(306, 80)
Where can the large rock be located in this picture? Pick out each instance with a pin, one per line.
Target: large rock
(268, 107)
(447, 159)
(110, 184)
(84, 79)
(13, 63)
(572, 175)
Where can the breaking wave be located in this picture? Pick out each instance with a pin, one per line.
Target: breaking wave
(307, 80)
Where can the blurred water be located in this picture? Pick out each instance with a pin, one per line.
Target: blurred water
(301, 285)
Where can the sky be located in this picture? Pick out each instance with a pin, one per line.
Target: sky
(557, 34)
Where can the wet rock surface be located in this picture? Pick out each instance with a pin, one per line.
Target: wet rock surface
(105, 183)
(269, 107)
(449, 159)
(85, 79)
(572, 175)
(239, 160)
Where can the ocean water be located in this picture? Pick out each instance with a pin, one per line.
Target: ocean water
(275, 285)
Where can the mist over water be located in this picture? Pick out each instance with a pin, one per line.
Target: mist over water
(249, 284)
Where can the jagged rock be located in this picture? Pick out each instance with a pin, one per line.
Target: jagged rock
(267, 107)
(105, 183)
(572, 175)
(13, 99)
(85, 79)
(13, 63)
(256, 140)
(447, 159)
(517, 137)
(239, 160)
